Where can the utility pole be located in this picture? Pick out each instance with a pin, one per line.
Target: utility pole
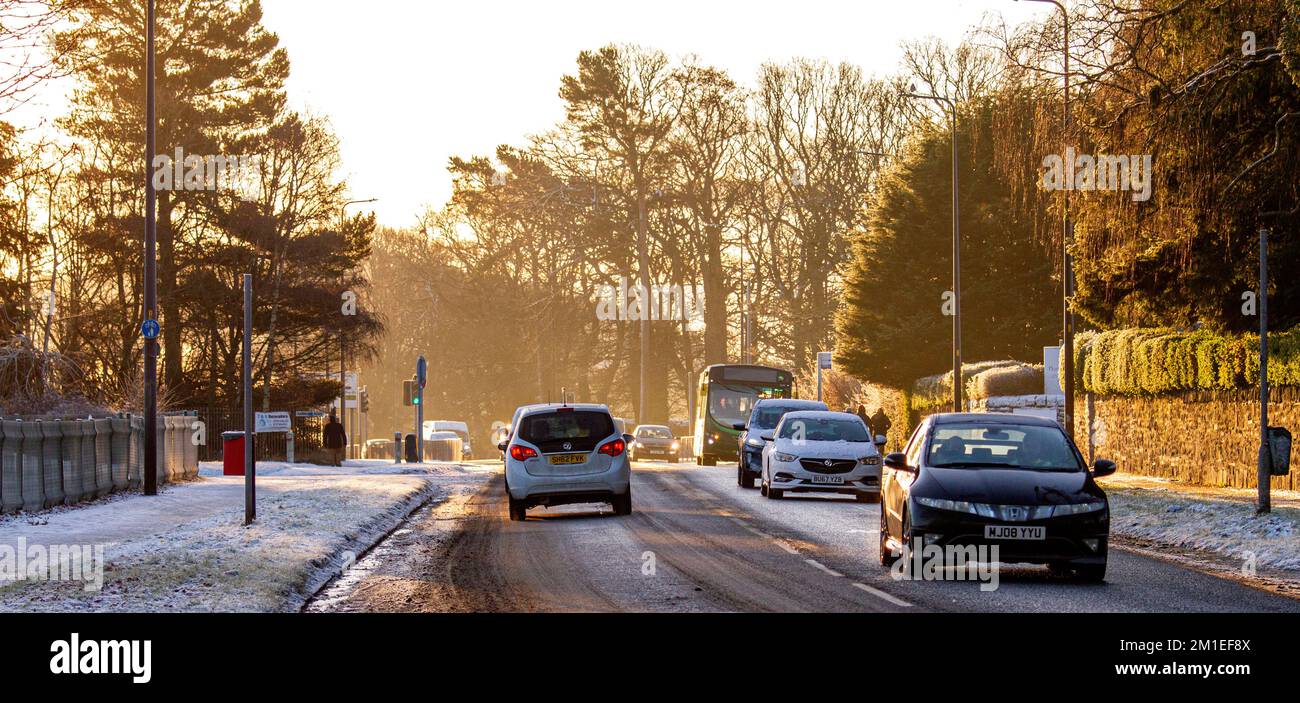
(250, 468)
(1067, 234)
(150, 325)
(343, 394)
(1264, 469)
(957, 384)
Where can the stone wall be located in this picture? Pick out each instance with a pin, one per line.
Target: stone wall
(1202, 438)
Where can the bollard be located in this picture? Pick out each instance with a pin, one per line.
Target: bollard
(120, 452)
(52, 462)
(11, 487)
(135, 462)
(33, 485)
(71, 459)
(86, 465)
(103, 456)
(397, 447)
(288, 447)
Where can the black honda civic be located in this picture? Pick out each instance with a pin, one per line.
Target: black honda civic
(1016, 482)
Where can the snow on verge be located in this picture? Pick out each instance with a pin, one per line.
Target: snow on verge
(307, 528)
(1225, 527)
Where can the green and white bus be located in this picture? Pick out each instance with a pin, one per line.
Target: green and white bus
(727, 393)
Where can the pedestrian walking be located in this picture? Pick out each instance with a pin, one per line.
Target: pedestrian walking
(866, 419)
(880, 423)
(335, 440)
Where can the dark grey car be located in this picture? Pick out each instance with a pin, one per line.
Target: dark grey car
(654, 442)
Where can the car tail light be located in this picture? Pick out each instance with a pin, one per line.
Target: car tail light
(519, 452)
(614, 448)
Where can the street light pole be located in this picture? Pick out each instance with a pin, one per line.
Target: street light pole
(957, 382)
(150, 270)
(343, 383)
(1067, 230)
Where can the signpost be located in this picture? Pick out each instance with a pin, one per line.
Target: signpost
(150, 270)
(273, 422)
(421, 376)
(823, 363)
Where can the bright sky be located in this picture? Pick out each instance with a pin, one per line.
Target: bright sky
(409, 83)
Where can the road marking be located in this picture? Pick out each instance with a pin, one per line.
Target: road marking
(881, 594)
(786, 547)
(823, 567)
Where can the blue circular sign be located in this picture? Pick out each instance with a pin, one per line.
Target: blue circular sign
(150, 329)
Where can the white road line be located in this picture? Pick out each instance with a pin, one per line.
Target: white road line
(782, 544)
(823, 567)
(881, 594)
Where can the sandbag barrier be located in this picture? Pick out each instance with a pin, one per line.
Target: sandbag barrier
(44, 463)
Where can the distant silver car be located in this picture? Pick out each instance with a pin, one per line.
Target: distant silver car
(814, 451)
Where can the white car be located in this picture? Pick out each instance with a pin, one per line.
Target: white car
(815, 451)
(564, 454)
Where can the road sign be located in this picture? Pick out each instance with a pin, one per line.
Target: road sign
(421, 371)
(824, 360)
(273, 422)
(150, 329)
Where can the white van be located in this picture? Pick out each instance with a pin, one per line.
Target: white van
(460, 428)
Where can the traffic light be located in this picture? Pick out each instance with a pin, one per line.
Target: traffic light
(365, 400)
(408, 393)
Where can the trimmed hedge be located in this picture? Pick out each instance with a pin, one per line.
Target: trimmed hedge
(984, 379)
(1134, 362)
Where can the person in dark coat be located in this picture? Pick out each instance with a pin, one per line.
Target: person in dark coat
(335, 440)
(880, 423)
(862, 413)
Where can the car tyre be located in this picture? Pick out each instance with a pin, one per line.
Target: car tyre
(623, 503)
(518, 510)
(744, 478)
(1090, 573)
(775, 493)
(708, 460)
(887, 557)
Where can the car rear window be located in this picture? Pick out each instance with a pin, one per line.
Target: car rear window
(580, 429)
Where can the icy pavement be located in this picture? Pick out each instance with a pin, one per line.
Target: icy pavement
(1220, 521)
(187, 549)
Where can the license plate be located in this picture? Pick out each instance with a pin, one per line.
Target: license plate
(567, 458)
(836, 480)
(1025, 532)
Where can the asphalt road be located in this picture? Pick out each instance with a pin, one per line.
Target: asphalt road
(696, 542)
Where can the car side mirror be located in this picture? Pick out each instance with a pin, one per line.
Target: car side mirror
(628, 439)
(739, 426)
(881, 440)
(898, 461)
(765, 437)
(1103, 467)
